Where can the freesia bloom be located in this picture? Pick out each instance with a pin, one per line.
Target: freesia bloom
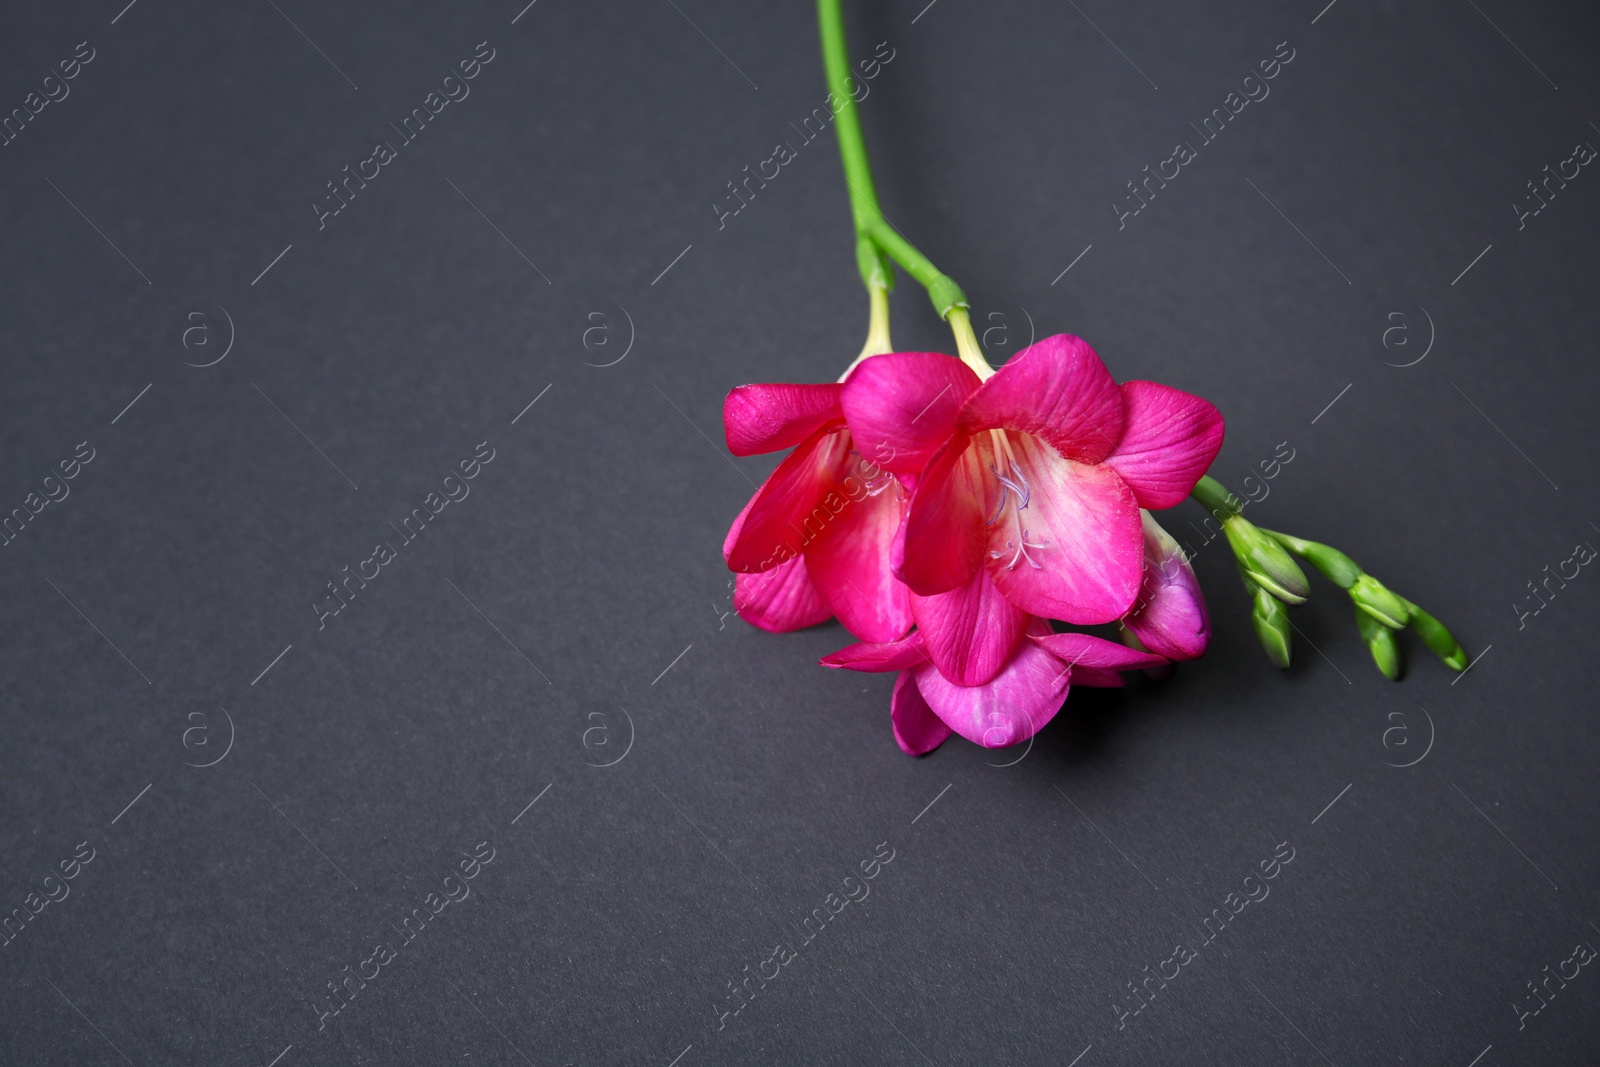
(1169, 617)
(1011, 707)
(815, 539)
(1029, 488)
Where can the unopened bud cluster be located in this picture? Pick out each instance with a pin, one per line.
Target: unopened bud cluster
(1273, 579)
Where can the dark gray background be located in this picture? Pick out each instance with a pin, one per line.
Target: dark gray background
(620, 907)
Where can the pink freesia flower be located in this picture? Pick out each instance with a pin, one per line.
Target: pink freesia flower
(1169, 618)
(1011, 707)
(815, 539)
(1029, 487)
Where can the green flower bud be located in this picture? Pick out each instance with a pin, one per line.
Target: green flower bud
(1371, 597)
(1380, 642)
(1266, 562)
(1379, 611)
(1440, 641)
(1340, 569)
(1272, 626)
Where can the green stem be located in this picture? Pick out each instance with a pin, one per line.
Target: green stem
(852, 145)
(875, 238)
(1339, 568)
(1215, 498)
(942, 289)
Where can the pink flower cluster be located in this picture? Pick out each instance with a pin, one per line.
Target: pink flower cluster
(946, 519)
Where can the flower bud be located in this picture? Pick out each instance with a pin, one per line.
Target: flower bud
(1440, 641)
(1380, 642)
(1266, 562)
(1272, 626)
(1371, 597)
(1169, 617)
(1340, 569)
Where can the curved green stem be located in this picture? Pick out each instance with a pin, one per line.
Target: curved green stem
(942, 289)
(875, 237)
(1215, 498)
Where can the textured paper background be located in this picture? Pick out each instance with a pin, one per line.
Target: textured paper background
(571, 611)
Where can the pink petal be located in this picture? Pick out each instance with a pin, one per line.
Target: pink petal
(902, 406)
(1084, 652)
(971, 631)
(780, 599)
(1075, 552)
(1011, 708)
(784, 514)
(945, 536)
(879, 658)
(738, 523)
(917, 729)
(851, 561)
(1170, 441)
(769, 418)
(1056, 389)
(1170, 617)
